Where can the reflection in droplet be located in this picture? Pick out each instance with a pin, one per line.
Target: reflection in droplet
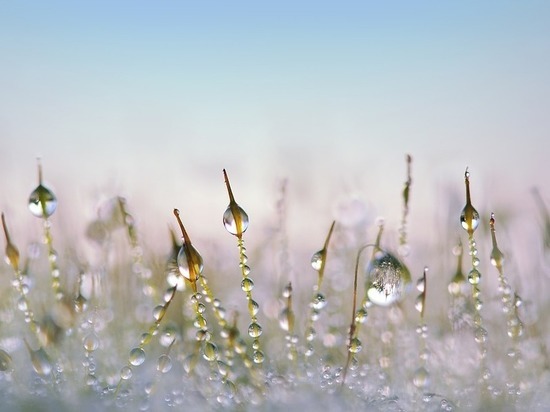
(42, 202)
(388, 278)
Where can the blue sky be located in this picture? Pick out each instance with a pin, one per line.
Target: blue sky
(153, 99)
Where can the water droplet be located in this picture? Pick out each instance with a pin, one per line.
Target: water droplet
(145, 338)
(286, 318)
(247, 284)
(388, 278)
(253, 307)
(254, 330)
(5, 361)
(310, 334)
(287, 291)
(420, 284)
(480, 334)
(419, 304)
(258, 357)
(137, 356)
(158, 312)
(42, 202)
(474, 277)
(210, 352)
(319, 301)
(469, 218)
(126, 373)
(235, 219)
(421, 378)
(361, 315)
(200, 322)
(355, 345)
(90, 342)
(190, 262)
(169, 293)
(317, 260)
(41, 361)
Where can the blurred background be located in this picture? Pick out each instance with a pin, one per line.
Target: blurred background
(151, 100)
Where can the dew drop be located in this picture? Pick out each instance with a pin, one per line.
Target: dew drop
(190, 263)
(42, 202)
(388, 278)
(258, 357)
(285, 319)
(247, 284)
(253, 307)
(210, 351)
(355, 345)
(310, 334)
(420, 285)
(421, 378)
(319, 301)
(317, 260)
(235, 219)
(5, 361)
(137, 356)
(90, 342)
(254, 330)
(125, 373)
(361, 315)
(41, 362)
(474, 277)
(480, 334)
(158, 312)
(419, 304)
(469, 218)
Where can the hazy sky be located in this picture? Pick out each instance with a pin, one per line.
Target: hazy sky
(151, 99)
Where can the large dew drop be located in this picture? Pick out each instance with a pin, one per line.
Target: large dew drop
(42, 202)
(235, 220)
(387, 278)
(190, 263)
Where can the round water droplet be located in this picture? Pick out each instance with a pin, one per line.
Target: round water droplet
(190, 263)
(319, 301)
(247, 284)
(42, 202)
(480, 334)
(137, 356)
(126, 373)
(355, 346)
(287, 291)
(310, 334)
(175, 278)
(200, 322)
(235, 223)
(474, 277)
(254, 330)
(5, 361)
(469, 218)
(421, 378)
(258, 356)
(361, 315)
(210, 352)
(90, 342)
(317, 260)
(388, 278)
(145, 338)
(253, 307)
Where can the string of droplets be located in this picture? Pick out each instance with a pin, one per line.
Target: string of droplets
(318, 300)
(510, 307)
(23, 304)
(191, 266)
(421, 377)
(469, 219)
(458, 305)
(286, 322)
(236, 221)
(138, 267)
(43, 203)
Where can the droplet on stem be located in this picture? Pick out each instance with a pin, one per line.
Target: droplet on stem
(235, 218)
(12, 253)
(190, 263)
(42, 201)
(469, 218)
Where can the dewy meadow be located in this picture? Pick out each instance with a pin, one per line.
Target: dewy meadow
(108, 323)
